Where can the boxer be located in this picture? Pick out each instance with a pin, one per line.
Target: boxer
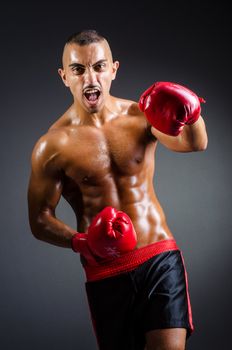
(100, 156)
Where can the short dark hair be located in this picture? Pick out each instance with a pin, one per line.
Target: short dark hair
(85, 37)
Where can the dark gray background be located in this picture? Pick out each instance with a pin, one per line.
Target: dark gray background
(42, 299)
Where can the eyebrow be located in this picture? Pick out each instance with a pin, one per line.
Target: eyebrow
(75, 64)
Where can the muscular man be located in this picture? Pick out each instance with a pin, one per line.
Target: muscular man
(100, 157)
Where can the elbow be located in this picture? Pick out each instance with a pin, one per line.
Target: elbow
(200, 147)
(37, 226)
(36, 230)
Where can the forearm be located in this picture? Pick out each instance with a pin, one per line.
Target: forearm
(195, 136)
(52, 230)
(191, 139)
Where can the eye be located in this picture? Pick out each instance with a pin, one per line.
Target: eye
(99, 67)
(78, 70)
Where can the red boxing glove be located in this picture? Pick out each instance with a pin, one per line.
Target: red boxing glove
(110, 234)
(79, 243)
(168, 107)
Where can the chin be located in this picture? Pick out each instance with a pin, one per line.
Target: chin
(94, 110)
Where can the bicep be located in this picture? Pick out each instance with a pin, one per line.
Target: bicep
(43, 193)
(45, 187)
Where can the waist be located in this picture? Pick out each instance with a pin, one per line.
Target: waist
(128, 261)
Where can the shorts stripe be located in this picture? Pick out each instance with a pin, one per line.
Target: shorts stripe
(188, 297)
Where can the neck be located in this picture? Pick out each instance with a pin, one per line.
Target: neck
(108, 112)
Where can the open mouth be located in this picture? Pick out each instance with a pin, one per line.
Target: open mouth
(92, 95)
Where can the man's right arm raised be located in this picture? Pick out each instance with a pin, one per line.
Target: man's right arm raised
(44, 192)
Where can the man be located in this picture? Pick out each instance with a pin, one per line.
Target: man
(100, 157)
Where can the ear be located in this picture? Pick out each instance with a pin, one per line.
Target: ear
(115, 68)
(63, 76)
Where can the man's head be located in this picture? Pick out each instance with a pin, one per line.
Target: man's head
(88, 69)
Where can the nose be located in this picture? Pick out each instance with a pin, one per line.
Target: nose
(90, 76)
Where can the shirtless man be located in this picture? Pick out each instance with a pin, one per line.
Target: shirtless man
(100, 154)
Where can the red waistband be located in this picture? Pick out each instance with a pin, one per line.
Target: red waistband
(128, 261)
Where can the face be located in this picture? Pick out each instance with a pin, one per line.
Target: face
(88, 71)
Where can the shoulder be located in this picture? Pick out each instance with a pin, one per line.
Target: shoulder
(50, 144)
(48, 148)
(64, 121)
(134, 110)
(129, 107)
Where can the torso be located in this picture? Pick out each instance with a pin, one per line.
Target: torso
(112, 166)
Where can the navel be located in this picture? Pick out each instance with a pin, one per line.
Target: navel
(85, 179)
(138, 160)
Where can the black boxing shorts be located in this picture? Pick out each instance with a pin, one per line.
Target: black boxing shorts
(129, 297)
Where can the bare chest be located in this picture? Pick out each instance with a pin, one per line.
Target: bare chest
(93, 153)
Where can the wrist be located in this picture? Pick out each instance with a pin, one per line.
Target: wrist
(78, 242)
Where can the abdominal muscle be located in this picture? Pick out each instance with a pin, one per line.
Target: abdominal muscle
(139, 202)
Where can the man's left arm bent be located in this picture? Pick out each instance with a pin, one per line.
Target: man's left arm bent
(173, 112)
(192, 138)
